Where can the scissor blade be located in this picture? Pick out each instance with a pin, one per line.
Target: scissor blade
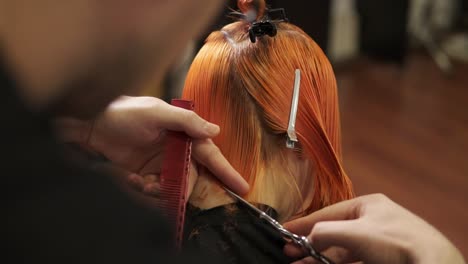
(260, 212)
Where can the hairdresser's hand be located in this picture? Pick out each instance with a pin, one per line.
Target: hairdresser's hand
(372, 229)
(131, 134)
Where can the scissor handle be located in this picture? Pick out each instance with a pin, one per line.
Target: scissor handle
(314, 253)
(305, 244)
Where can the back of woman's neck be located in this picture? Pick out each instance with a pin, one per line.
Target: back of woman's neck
(208, 193)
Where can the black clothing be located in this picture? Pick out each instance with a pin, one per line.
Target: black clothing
(57, 211)
(235, 234)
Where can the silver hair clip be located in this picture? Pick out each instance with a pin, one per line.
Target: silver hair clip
(292, 137)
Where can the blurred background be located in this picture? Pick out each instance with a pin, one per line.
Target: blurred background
(402, 72)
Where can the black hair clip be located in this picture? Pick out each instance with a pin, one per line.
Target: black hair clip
(262, 28)
(268, 25)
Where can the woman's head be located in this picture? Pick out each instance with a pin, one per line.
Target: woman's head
(247, 89)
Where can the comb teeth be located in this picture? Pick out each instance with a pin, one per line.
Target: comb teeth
(174, 176)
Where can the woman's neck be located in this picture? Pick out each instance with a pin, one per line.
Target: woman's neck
(208, 193)
(270, 189)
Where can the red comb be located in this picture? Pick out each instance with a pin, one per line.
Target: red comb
(174, 175)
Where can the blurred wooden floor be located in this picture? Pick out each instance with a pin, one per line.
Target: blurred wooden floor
(405, 134)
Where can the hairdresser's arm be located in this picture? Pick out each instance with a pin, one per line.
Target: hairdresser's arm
(130, 133)
(373, 229)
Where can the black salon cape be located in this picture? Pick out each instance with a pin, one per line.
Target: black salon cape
(234, 233)
(55, 211)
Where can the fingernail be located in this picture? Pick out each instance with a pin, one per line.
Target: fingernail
(212, 129)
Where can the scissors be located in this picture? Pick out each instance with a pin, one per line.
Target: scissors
(301, 241)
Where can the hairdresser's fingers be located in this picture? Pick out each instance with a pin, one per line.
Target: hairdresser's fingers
(151, 178)
(152, 186)
(209, 155)
(294, 251)
(340, 255)
(341, 211)
(135, 185)
(152, 166)
(348, 234)
(179, 119)
(308, 260)
(152, 189)
(136, 182)
(337, 255)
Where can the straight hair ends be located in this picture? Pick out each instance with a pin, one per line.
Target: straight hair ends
(246, 88)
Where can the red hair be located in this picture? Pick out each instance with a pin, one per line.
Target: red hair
(247, 89)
